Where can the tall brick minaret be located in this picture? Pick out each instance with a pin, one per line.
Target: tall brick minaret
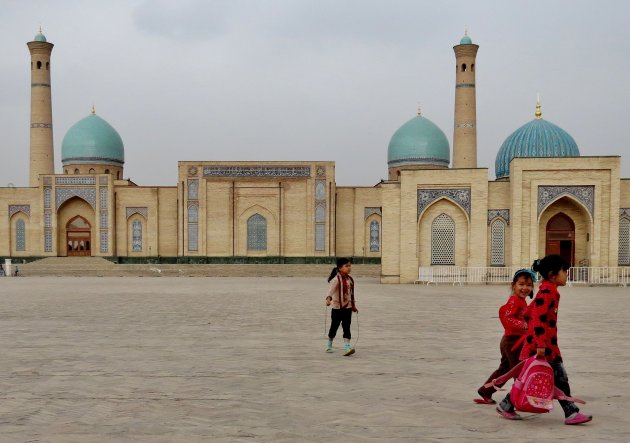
(465, 130)
(42, 151)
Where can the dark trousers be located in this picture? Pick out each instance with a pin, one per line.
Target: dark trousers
(509, 359)
(341, 317)
(561, 380)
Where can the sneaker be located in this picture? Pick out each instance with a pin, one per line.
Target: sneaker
(347, 349)
(577, 418)
(329, 347)
(508, 415)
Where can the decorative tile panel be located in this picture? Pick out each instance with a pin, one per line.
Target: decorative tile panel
(48, 181)
(320, 171)
(143, 211)
(192, 171)
(465, 125)
(75, 180)
(103, 192)
(624, 212)
(19, 208)
(461, 196)
(47, 198)
(103, 220)
(369, 211)
(501, 213)
(104, 241)
(103, 181)
(584, 194)
(64, 194)
(48, 240)
(256, 171)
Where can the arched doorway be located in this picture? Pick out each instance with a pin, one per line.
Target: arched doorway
(79, 237)
(561, 237)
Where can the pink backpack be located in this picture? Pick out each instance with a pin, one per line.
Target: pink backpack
(534, 389)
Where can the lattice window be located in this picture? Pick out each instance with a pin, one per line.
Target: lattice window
(320, 237)
(375, 236)
(136, 236)
(193, 227)
(193, 188)
(624, 242)
(443, 240)
(20, 235)
(497, 243)
(257, 233)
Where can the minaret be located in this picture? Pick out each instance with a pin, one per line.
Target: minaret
(42, 152)
(465, 130)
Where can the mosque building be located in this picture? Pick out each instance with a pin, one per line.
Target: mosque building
(431, 211)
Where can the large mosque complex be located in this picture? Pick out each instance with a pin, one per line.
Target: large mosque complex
(430, 212)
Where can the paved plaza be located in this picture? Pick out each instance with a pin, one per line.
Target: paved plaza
(167, 359)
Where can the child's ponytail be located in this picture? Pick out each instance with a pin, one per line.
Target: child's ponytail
(550, 265)
(340, 262)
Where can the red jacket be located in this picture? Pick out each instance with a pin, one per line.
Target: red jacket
(543, 320)
(512, 314)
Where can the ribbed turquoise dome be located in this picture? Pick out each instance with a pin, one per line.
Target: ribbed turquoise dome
(418, 142)
(40, 37)
(538, 138)
(465, 40)
(92, 140)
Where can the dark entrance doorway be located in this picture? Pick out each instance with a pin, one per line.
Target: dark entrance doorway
(79, 237)
(561, 237)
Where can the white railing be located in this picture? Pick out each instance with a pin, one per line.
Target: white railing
(459, 275)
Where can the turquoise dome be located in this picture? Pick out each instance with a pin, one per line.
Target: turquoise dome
(40, 37)
(538, 138)
(465, 40)
(418, 142)
(92, 140)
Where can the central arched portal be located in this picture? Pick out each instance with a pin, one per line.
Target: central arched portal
(561, 237)
(78, 237)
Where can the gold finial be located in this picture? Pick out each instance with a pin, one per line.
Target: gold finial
(465, 31)
(538, 113)
(40, 29)
(93, 110)
(419, 110)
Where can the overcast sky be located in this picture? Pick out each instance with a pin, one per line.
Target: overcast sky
(311, 79)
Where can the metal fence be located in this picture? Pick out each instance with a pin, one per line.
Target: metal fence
(458, 275)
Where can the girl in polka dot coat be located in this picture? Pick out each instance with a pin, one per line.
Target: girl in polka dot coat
(542, 335)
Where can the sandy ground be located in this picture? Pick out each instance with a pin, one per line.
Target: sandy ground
(242, 360)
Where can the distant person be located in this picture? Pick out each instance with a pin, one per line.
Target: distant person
(341, 299)
(542, 336)
(512, 316)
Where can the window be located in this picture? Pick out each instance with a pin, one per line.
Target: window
(136, 236)
(497, 243)
(443, 240)
(624, 242)
(464, 67)
(76, 171)
(193, 227)
(375, 236)
(256, 233)
(20, 235)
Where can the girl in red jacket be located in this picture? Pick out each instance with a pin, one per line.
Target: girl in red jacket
(542, 335)
(512, 318)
